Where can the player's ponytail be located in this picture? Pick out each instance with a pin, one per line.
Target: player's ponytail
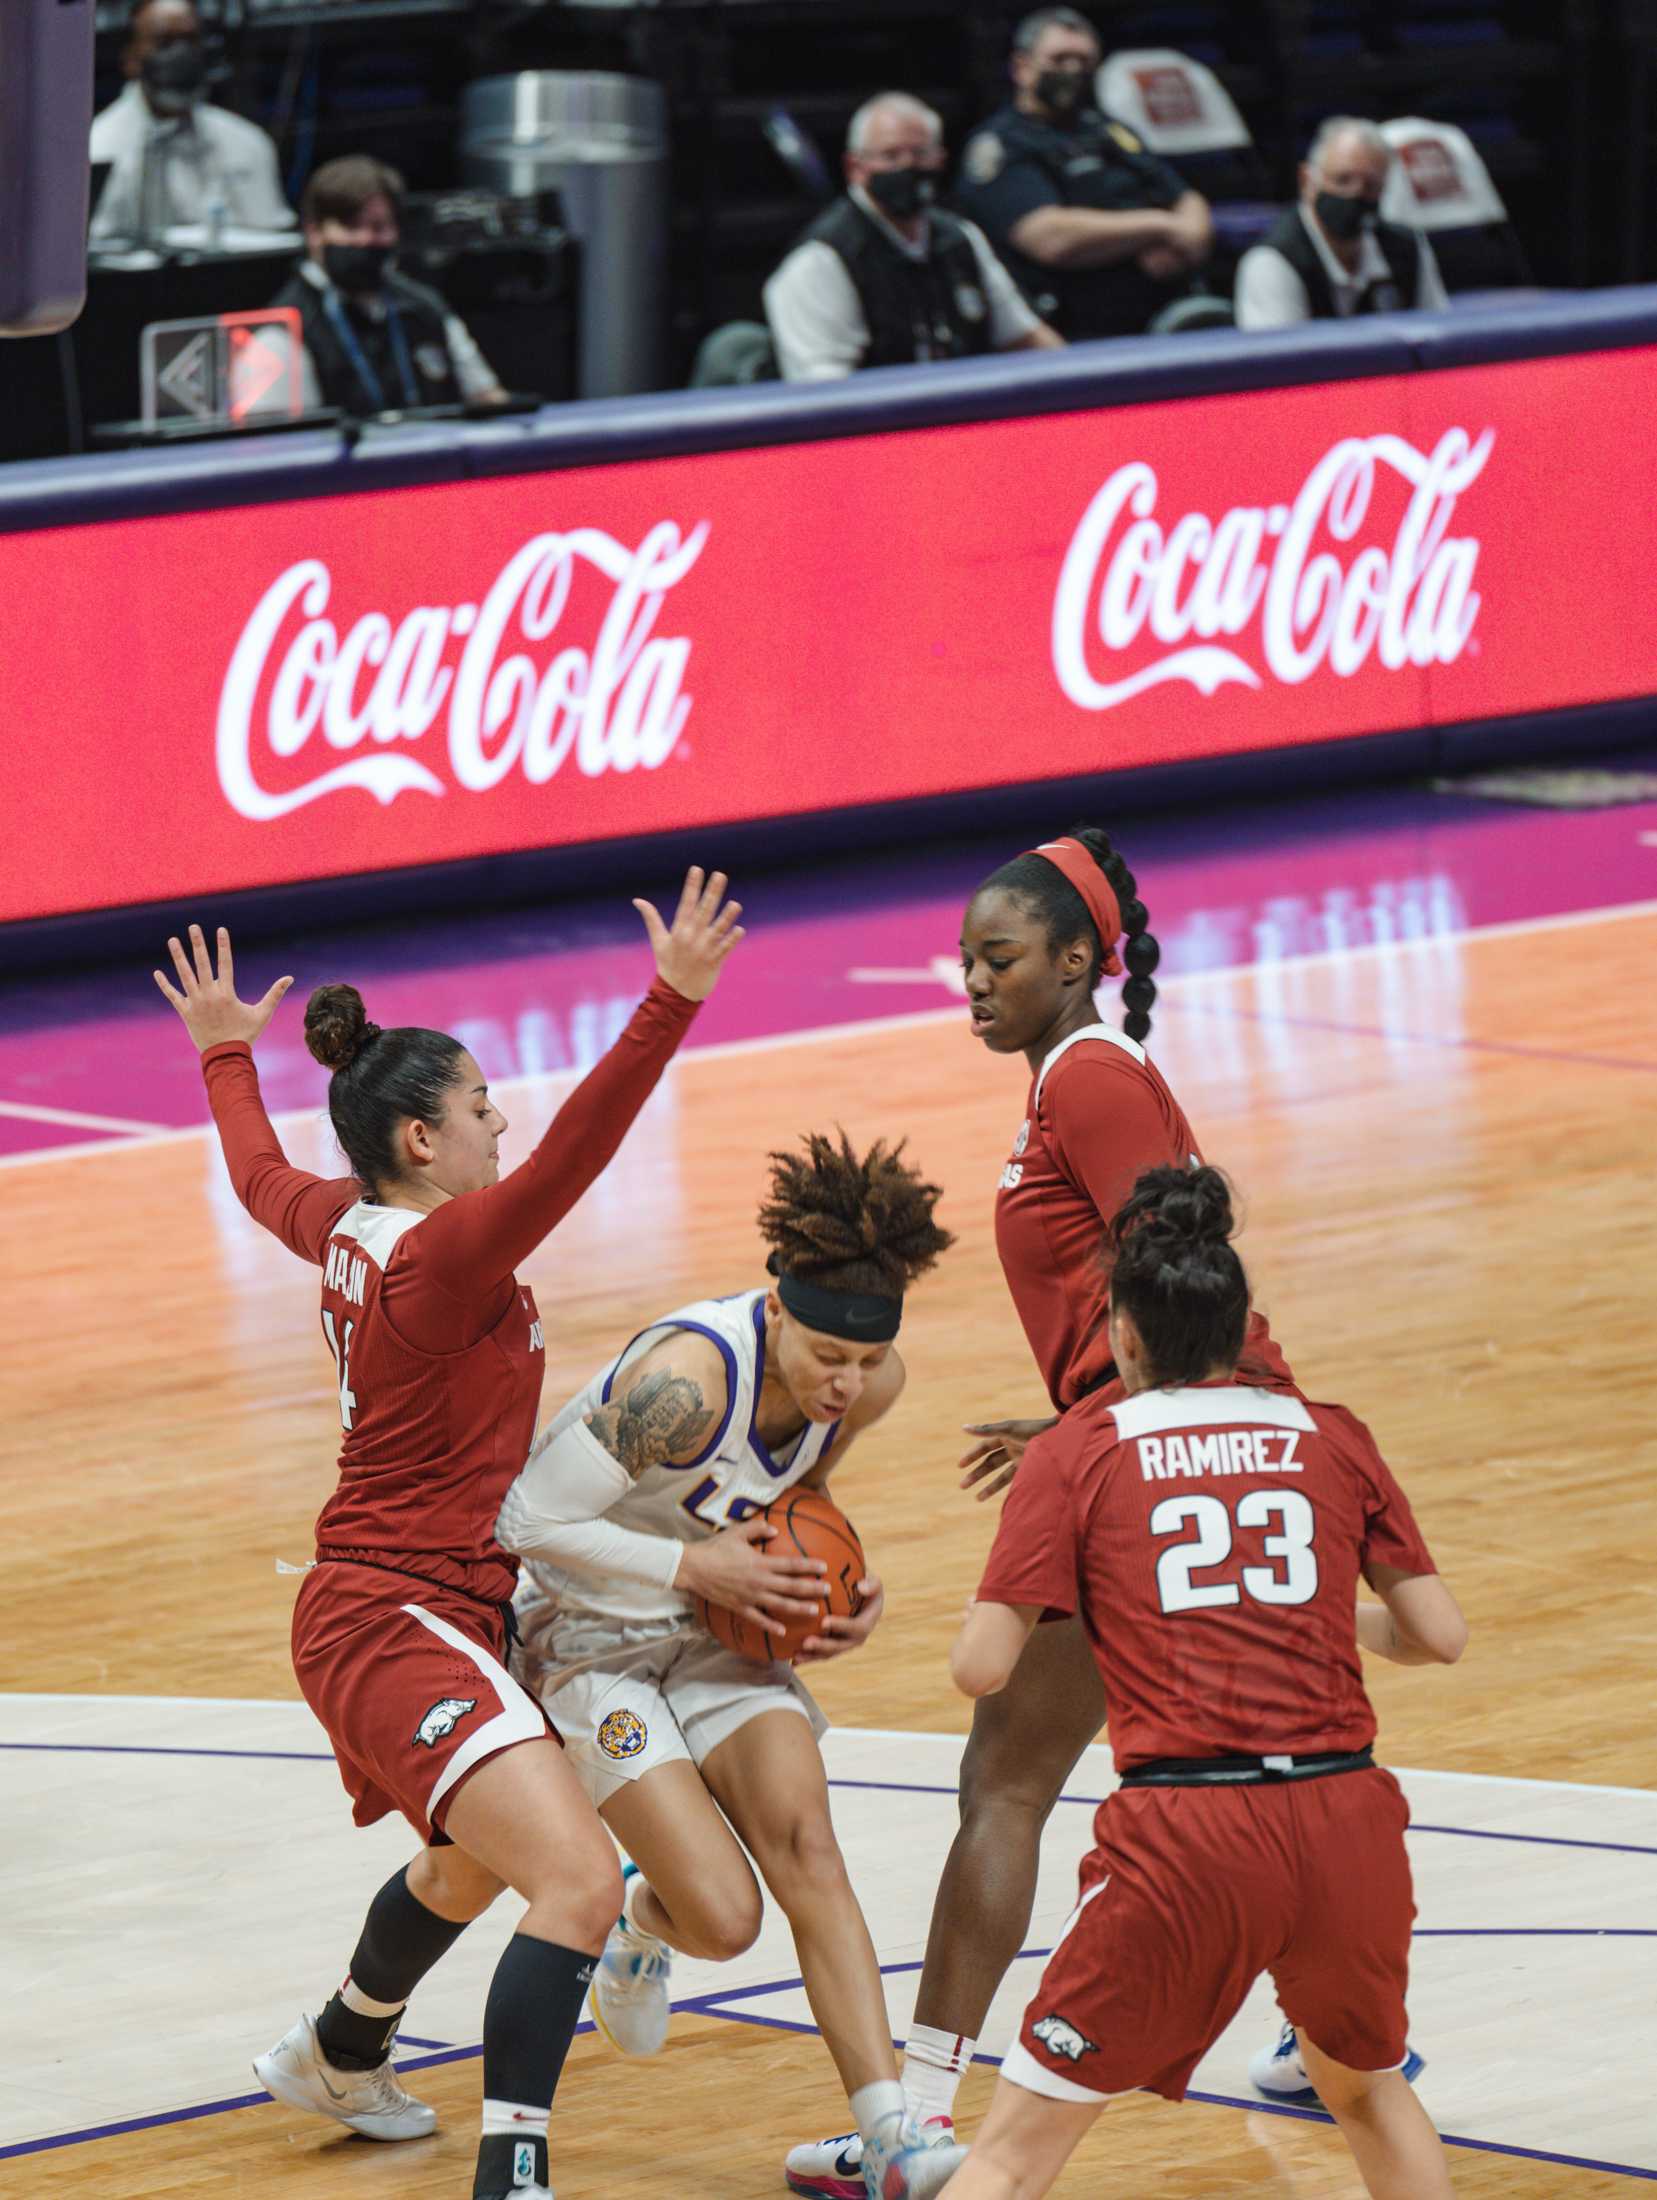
(1042, 888)
(1175, 1272)
(381, 1079)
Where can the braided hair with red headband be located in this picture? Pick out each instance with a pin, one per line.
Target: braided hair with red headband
(1078, 887)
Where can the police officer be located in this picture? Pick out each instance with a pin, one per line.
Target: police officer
(1332, 255)
(374, 341)
(885, 277)
(1098, 231)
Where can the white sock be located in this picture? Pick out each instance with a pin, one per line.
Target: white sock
(365, 2005)
(635, 1887)
(874, 2105)
(513, 2120)
(933, 2066)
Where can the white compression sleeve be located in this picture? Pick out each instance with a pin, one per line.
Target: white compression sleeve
(556, 1507)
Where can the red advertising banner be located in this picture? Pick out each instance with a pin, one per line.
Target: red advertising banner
(235, 698)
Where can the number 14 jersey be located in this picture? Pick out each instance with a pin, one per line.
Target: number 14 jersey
(1212, 1538)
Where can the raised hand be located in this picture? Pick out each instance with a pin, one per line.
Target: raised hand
(993, 1460)
(690, 956)
(207, 1001)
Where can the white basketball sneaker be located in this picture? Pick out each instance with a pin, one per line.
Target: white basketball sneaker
(832, 2169)
(628, 1996)
(373, 2102)
(1280, 2072)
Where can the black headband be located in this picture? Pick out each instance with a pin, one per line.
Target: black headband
(861, 1317)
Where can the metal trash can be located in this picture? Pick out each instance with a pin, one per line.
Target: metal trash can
(600, 142)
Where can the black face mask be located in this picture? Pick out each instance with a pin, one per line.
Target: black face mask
(174, 75)
(1345, 218)
(902, 193)
(356, 267)
(1064, 92)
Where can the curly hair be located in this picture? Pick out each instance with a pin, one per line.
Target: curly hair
(847, 1223)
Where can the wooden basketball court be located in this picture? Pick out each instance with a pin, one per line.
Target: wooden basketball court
(1444, 1153)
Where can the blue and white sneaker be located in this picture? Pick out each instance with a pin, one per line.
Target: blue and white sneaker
(628, 1997)
(1280, 2074)
(906, 2162)
(832, 2169)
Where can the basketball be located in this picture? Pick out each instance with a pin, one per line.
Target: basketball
(813, 1526)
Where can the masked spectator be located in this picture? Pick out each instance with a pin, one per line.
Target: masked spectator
(885, 277)
(1099, 232)
(1331, 255)
(374, 340)
(173, 157)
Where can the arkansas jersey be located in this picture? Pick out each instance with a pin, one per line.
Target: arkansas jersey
(1099, 1115)
(1212, 1539)
(437, 1347)
(431, 1440)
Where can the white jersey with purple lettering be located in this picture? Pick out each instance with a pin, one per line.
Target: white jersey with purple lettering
(731, 1478)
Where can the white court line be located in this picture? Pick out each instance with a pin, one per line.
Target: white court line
(74, 1120)
(724, 1050)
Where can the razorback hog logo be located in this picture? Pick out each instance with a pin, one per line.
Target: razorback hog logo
(1060, 2037)
(521, 681)
(443, 1717)
(1410, 601)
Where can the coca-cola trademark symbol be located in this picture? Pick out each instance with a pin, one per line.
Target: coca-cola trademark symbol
(525, 694)
(1409, 602)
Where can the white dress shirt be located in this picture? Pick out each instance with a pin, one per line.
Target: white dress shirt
(1271, 295)
(169, 170)
(473, 372)
(817, 320)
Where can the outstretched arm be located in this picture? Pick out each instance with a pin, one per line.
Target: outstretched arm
(293, 1205)
(471, 1244)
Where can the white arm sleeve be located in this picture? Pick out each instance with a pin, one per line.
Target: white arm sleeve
(1430, 294)
(816, 315)
(1012, 318)
(556, 1507)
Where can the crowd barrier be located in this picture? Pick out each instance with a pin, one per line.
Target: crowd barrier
(239, 666)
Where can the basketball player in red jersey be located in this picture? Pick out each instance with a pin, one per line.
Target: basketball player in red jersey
(1210, 1535)
(399, 1630)
(1038, 937)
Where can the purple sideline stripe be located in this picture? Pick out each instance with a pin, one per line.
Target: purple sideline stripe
(889, 1787)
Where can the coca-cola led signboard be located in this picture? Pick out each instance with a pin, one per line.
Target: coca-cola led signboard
(230, 699)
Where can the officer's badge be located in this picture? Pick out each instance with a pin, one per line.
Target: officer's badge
(984, 158)
(623, 1734)
(971, 301)
(1125, 137)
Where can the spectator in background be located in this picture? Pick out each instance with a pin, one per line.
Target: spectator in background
(174, 158)
(1100, 232)
(1332, 255)
(884, 277)
(374, 340)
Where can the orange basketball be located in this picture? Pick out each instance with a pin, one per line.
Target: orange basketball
(813, 1526)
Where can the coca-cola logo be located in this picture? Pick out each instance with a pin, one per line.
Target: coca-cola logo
(1409, 601)
(510, 680)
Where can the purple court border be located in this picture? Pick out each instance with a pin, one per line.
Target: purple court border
(715, 2004)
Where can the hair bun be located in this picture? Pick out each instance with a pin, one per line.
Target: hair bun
(1195, 1208)
(337, 1026)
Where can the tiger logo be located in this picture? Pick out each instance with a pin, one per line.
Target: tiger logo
(623, 1734)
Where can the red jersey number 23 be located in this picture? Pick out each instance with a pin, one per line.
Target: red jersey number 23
(1210, 1545)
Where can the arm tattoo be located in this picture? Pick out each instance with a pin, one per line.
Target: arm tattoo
(663, 1414)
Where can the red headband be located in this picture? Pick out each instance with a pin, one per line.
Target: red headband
(1098, 897)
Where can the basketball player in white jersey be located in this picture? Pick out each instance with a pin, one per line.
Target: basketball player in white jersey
(641, 1493)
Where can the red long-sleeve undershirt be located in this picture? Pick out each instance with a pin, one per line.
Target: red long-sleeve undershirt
(447, 1281)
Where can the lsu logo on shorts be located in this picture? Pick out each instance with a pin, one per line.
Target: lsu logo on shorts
(623, 1734)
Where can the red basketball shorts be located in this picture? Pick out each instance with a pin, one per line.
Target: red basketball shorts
(407, 1679)
(1189, 1895)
